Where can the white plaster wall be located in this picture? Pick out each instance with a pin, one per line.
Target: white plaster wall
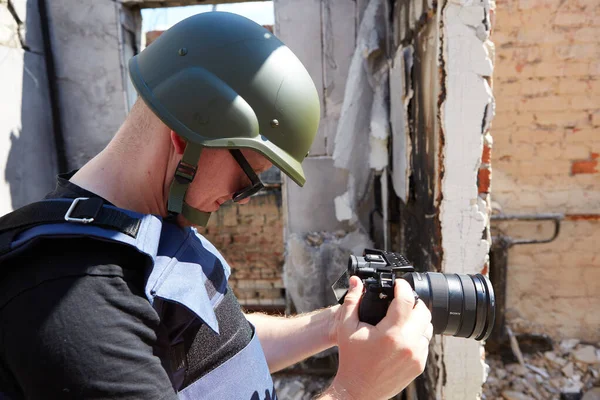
(322, 34)
(464, 216)
(463, 213)
(311, 208)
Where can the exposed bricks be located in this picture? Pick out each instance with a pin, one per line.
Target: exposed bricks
(484, 174)
(546, 152)
(486, 157)
(571, 19)
(582, 217)
(585, 166)
(250, 237)
(587, 34)
(483, 180)
(538, 4)
(151, 36)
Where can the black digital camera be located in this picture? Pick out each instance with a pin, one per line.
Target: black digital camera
(461, 305)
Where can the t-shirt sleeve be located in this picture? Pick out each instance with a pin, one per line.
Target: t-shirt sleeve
(86, 336)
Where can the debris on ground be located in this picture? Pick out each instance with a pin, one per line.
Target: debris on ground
(571, 370)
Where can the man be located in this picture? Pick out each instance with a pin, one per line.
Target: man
(108, 293)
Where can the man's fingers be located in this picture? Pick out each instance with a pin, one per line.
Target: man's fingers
(428, 334)
(401, 307)
(350, 307)
(421, 312)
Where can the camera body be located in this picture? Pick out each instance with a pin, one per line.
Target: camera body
(378, 270)
(461, 305)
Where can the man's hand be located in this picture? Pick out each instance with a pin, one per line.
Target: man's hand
(377, 362)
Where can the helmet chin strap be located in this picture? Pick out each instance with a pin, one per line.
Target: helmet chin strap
(184, 175)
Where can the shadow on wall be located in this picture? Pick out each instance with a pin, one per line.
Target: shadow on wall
(13, 173)
(31, 167)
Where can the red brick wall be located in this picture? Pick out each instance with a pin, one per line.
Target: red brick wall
(151, 36)
(250, 237)
(546, 148)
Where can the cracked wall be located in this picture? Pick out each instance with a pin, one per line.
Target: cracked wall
(466, 114)
(442, 106)
(325, 47)
(323, 35)
(26, 141)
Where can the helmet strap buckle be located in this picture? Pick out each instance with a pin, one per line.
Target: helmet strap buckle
(184, 175)
(185, 172)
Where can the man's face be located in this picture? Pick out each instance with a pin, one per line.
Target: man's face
(220, 177)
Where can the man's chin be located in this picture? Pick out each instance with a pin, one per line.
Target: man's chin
(184, 222)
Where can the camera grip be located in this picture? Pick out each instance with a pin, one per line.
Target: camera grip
(373, 305)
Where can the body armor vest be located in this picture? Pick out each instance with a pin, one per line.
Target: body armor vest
(186, 276)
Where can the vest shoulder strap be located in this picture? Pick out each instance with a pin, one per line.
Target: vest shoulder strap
(81, 216)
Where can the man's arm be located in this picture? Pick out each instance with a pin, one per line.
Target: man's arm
(288, 340)
(375, 362)
(81, 337)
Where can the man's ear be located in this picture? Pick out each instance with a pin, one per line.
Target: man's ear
(178, 142)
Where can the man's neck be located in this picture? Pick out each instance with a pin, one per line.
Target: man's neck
(132, 179)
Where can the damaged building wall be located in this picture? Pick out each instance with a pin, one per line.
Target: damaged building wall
(65, 88)
(465, 205)
(432, 191)
(323, 34)
(326, 34)
(250, 236)
(546, 147)
(27, 157)
(93, 89)
(441, 105)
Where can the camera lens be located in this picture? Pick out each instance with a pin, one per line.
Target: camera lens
(461, 305)
(352, 264)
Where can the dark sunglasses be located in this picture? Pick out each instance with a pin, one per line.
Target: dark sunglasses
(255, 186)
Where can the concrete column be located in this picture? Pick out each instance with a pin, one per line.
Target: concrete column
(441, 107)
(27, 159)
(88, 41)
(464, 212)
(322, 36)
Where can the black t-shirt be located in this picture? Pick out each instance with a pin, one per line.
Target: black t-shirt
(75, 323)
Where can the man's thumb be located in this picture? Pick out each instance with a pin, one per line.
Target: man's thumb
(352, 299)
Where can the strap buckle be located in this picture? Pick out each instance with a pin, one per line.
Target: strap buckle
(68, 217)
(185, 172)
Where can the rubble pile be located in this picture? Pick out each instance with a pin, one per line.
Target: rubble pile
(571, 371)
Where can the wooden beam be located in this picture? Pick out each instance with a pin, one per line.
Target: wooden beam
(176, 3)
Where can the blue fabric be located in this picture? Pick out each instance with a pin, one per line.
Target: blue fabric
(187, 268)
(146, 240)
(190, 271)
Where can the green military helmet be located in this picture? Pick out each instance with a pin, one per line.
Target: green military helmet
(221, 80)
